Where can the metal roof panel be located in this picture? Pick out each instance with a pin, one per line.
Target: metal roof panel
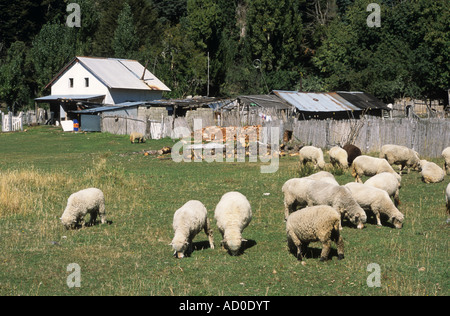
(315, 102)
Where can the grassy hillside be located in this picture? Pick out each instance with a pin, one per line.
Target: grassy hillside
(40, 168)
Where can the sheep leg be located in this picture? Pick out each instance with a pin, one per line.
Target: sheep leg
(209, 233)
(292, 239)
(326, 246)
(397, 198)
(377, 215)
(93, 218)
(337, 238)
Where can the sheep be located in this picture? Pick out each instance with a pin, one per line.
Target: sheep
(338, 157)
(323, 176)
(352, 152)
(370, 166)
(317, 223)
(312, 154)
(233, 214)
(377, 201)
(431, 172)
(400, 155)
(137, 136)
(447, 200)
(388, 182)
(446, 155)
(79, 204)
(188, 221)
(300, 192)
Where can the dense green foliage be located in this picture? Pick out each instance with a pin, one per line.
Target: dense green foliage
(254, 46)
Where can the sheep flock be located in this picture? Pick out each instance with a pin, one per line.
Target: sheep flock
(315, 207)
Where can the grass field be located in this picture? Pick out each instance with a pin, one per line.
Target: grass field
(40, 168)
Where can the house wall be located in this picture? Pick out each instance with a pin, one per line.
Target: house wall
(126, 95)
(112, 96)
(79, 73)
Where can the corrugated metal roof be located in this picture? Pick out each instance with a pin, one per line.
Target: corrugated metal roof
(117, 73)
(316, 102)
(70, 97)
(265, 101)
(363, 100)
(107, 108)
(122, 74)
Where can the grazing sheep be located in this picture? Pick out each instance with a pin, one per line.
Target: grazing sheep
(188, 221)
(446, 155)
(338, 157)
(300, 192)
(137, 137)
(377, 201)
(79, 204)
(431, 172)
(400, 155)
(352, 152)
(312, 154)
(317, 223)
(233, 214)
(388, 182)
(323, 176)
(447, 200)
(370, 166)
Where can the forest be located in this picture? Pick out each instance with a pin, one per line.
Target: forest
(233, 47)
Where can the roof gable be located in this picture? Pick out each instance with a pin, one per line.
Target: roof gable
(117, 73)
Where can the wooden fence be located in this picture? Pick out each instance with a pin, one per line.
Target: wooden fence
(427, 136)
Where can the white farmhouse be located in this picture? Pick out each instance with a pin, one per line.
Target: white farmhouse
(109, 81)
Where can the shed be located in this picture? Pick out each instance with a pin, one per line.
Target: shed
(311, 105)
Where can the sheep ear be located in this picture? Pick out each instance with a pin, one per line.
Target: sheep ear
(244, 240)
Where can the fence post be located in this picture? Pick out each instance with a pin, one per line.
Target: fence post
(10, 116)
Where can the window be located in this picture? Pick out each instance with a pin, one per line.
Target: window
(86, 82)
(70, 82)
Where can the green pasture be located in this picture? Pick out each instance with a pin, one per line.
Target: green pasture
(41, 167)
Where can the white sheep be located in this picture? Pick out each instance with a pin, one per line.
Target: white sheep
(447, 200)
(401, 156)
(370, 166)
(446, 155)
(338, 157)
(323, 176)
(377, 201)
(79, 204)
(300, 192)
(312, 154)
(388, 182)
(137, 136)
(312, 224)
(233, 214)
(188, 221)
(431, 172)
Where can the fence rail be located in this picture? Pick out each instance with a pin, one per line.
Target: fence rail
(427, 136)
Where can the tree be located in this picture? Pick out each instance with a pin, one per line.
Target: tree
(53, 47)
(15, 77)
(125, 43)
